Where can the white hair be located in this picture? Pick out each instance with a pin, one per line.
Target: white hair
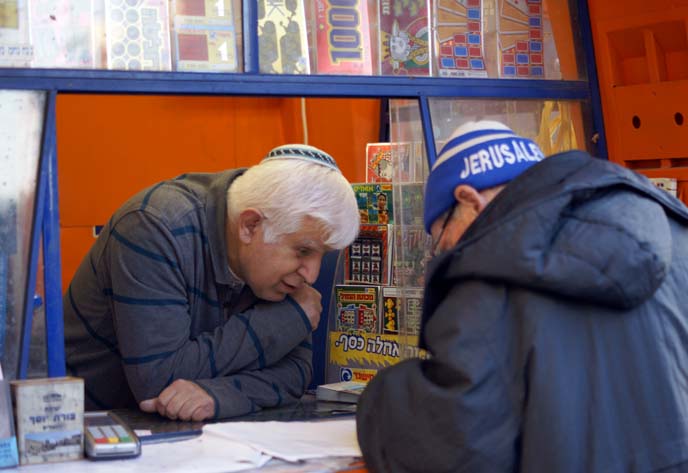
(288, 190)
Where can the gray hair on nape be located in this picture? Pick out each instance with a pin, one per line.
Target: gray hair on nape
(288, 190)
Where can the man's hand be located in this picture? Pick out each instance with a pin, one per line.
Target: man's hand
(310, 301)
(181, 400)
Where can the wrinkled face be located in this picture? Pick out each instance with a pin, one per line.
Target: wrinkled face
(437, 231)
(448, 228)
(274, 270)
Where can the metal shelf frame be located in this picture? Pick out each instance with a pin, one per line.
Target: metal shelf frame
(248, 83)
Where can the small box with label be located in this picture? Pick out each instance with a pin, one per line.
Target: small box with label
(8, 441)
(50, 419)
(668, 184)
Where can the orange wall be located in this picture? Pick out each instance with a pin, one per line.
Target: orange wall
(110, 147)
(641, 51)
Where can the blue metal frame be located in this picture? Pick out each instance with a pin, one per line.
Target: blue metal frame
(595, 99)
(249, 15)
(40, 197)
(428, 132)
(52, 270)
(192, 83)
(324, 284)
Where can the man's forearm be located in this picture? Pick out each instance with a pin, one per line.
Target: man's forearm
(249, 391)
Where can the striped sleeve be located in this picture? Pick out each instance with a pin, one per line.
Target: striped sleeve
(148, 295)
(249, 391)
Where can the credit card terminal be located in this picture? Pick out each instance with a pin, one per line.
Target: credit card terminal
(107, 437)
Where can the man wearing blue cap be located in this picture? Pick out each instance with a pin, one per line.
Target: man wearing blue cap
(555, 317)
(196, 299)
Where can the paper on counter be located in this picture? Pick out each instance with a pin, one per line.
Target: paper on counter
(204, 454)
(293, 441)
(208, 453)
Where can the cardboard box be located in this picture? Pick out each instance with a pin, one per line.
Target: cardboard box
(50, 419)
(8, 441)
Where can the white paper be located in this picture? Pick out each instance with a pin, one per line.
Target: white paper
(208, 453)
(294, 441)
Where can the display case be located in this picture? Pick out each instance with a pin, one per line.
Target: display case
(199, 47)
(532, 39)
(375, 313)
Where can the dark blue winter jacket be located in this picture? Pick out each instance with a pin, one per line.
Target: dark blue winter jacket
(558, 329)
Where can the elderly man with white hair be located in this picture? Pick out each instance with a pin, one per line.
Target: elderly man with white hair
(555, 316)
(196, 302)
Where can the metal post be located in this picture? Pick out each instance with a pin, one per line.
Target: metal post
(595, 100)
(428, 133)
(52, 271)
(249, 14)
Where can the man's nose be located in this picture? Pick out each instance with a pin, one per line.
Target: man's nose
(310, 269)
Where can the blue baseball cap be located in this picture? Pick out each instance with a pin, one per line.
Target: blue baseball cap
(482, 155)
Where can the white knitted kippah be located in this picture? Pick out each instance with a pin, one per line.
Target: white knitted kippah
(304, 153)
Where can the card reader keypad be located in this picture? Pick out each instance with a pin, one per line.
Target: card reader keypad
(109, 434)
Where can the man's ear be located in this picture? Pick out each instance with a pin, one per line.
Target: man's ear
(248, 222)
(469, 198)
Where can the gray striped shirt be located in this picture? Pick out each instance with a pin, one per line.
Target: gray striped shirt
(154, 301)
